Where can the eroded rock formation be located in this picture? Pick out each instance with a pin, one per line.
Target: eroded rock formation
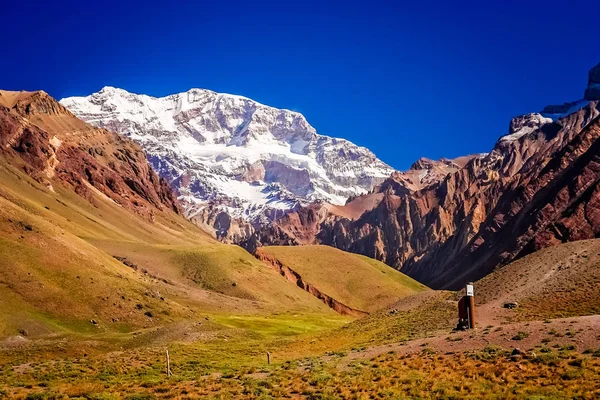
(537, 187)
(53, 146)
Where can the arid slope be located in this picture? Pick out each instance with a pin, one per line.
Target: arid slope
(91, 240)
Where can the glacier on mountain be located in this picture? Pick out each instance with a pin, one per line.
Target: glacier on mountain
(235, 154)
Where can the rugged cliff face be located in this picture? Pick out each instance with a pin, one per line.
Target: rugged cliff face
(527, 194)
(307, 224)
(53, 146)
(537, 187)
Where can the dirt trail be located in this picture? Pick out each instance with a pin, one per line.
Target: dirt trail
(548, 274)
(567, 275)
(581, 332)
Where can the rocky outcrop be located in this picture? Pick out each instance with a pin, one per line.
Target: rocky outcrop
(294, 277)
(424, 164)
(536, 188)
(592, 93)
(53, 146)
(524, 124)
(425, 172)
(316, 222)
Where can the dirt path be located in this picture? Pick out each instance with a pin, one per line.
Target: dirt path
(546, 274)
(581, 332)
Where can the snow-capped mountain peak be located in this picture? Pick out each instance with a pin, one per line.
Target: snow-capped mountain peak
(231, 152)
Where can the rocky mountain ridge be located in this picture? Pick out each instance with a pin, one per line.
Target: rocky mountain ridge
(539, 186)
(234, 163)
(43, 138)
(442, 222)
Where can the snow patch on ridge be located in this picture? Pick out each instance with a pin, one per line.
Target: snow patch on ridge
(524, 125)
(570, 109)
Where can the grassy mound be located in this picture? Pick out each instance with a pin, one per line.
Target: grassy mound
(357, 281)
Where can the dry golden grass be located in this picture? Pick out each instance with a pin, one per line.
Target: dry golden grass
(219, 311)
(357, 281)
(57, 271)
(488, 373)
(556, 282)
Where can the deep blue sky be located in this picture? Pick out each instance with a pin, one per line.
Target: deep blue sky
(434, 79)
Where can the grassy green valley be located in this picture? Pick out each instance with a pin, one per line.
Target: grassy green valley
(59, 267)
(101, 275)
(93, 295)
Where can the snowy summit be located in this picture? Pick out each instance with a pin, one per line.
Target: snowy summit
(232, 153)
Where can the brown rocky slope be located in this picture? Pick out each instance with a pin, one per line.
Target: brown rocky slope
(52, 145)
(536, 188)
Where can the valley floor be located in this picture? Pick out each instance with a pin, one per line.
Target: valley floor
(92, 318)
(547, 359)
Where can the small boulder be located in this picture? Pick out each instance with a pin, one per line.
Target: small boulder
(511, 305)
(516, 351)
(516, 355)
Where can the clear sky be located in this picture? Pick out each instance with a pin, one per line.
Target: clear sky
(405, 79)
